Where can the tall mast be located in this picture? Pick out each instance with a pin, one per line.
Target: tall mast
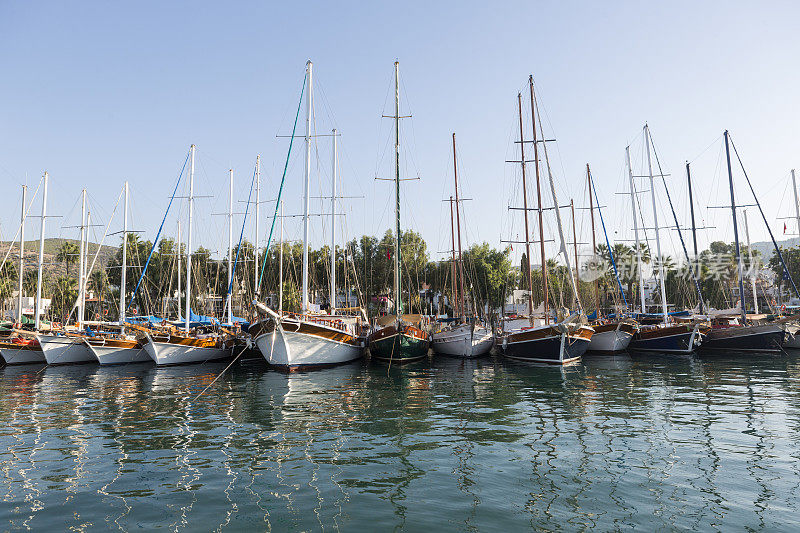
(458, 225)
(691, 210)
(230, 245)
(643, 308)
(333, 228)
(398, 292)
(178, 269)
(280, 267)
(796, 203)
(21, 252)
(752, 269)
(123, 272)
(41, 256)
(307, 189)
(81, 261)
(453, 260)
(559, 225)
(574, 238)
(735, 229)
(655, 225)
(594, 240)
(525, 210)
(86, 266)
(545, 280)
(189, 243)
(695, 268)
(258, 218)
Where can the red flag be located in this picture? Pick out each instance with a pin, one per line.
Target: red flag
(388, 254)
(512, 247)
(784, 228)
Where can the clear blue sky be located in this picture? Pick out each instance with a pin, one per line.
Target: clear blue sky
(98, 92)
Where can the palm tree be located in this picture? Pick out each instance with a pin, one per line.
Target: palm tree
(68, 254)
(99, 282)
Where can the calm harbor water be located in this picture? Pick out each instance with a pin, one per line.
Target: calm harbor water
(612, 443)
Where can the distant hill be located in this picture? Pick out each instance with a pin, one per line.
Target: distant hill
(766, 248)
(51, 248)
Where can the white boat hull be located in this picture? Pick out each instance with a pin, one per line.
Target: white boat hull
(462, 341)
(20, 356)
(165, 353)
(63, 350)
(610, 341)
(115, 355)
(295, 350)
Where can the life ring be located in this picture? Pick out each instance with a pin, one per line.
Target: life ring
(783, 308)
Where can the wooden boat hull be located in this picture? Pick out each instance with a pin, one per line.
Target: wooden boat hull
(301, 345)
(678, 339)
(405, 346)
(65, 350)
(757, 338)
(611, 338)
(117, 351)
(463, 341)
(21, 354)
(182, 351)
(548, 345)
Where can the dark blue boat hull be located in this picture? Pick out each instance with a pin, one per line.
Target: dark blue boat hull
(744, 339)
(681, 343)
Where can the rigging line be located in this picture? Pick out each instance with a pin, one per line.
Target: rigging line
(677, 224)
(19, 228)
(158, 234)
(241, 236)
(698, 156)
(283, 180)
(771, 236)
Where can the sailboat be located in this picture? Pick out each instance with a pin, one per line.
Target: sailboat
(308, 340)
(668, 336)
(398, 338)
(729, 334)
(538, 340)
(118, 347)
(21, 347)
(170, 346)
(611, 335)
(467, 337)
(67, 346)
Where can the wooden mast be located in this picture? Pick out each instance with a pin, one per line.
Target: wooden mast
(594, 239)
(545, 289)
(453, 260)
(397, 276)
(525, 207)
(458, 226)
